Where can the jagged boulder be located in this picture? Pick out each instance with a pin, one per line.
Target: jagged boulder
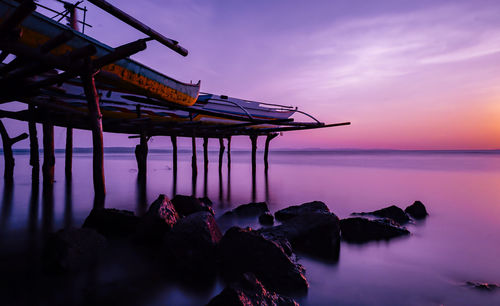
(245, 250)
(392, 212)
(159, 219)
(112, 222)
(266, 219)
(186, 205)
(296, 210)
(314, 233)
(248, 290)
(417, 210)
(192, 241)
(363, 230)
(72, 250)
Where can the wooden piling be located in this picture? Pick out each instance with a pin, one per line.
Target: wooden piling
(34, 150)
(266, 150)
(205, 153)
(173, 138)
(49, 159)
(7, 151)
(193, 158)
(229, 153)
(68, 160)
(253, 138)
(95, 117)
(221, 152)
(141, 155)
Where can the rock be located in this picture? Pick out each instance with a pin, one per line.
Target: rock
(266, 219)
(249, 291)
(363, 230)
(186, 205)
(72, 250)
(483, 286)
(159, 219)
(417, 210)
(245, 250)
(192, 242)
(314, 233)
(293, 211)
(112, 222)
(251, 209)
(392, 212)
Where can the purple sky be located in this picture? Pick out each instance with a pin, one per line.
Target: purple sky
(407, 74)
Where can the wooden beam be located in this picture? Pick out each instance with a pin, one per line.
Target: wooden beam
(19, 14)
(266, 150)
(95, 117)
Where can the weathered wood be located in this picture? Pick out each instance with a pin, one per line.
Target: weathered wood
(34, 150)
(229, 153)
(266, 150)
(205, 153)
(253, 138)
(95, 117)
(173, 139)
(141, 155)
(19, 14)
(221, 152)
(68, 160)
(193, 158)
(49, 159)
(7, 151)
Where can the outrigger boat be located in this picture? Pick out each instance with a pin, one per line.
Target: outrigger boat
(125, 74)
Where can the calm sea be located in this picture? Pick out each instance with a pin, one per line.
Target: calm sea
(458, 242)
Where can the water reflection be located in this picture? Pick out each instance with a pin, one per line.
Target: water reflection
(8, 191)
(142, 200)
(68, 201)
(47, 208)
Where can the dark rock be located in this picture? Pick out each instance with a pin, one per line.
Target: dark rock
(266, 219)
(186, 205)
(112, 222)
(417, 210)
(251, 209)
(362, 230)
(249, 291)
(206, 201)
(245, 250)
(293, 211)
(392, 212)
(483, 286)
(159, 219)
(72, 250)
(192, 242)
(314, 233)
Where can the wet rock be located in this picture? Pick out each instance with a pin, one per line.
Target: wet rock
(245, 250)
(417, 210)
(363, 230)
(192, 241)
(112, 222)
(296, 210)
(249, 291)
(392, 212)
(251, 209)
(483, 286)
(159, 219)
(266, 219)
(186, 205)
(313, 233)
(72, 250)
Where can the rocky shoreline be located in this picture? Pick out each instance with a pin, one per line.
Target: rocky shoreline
(259, 266)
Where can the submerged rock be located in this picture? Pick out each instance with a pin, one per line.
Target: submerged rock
(186, 205)
(192, 242)
(266, 219)
(72, 250)
(314, 233)
(245, 250)
(112, 222)
(250, 209)
(296, 210)
(159, 219)
(483, 286)
(363, 230)
(417, 210)
(392, 212)
(248, 290)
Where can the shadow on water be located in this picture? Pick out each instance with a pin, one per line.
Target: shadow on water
(228, 197)
(194, 177)
(68, 202)
(221, 189)
(266, 187)
(8, 191)
(205, 180)
(47, 208)
(142, 199)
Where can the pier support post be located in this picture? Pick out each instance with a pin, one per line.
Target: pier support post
(7, 151)
(193, 158)
(34, 149)
(173, 139)
(221, 152)
(229, 152)
(266, 150)
(141, 155)
(68, 158)
(49, 159)
(253, 138)
(96, 127)
(205, 153)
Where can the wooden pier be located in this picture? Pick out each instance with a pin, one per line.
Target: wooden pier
(35, 73)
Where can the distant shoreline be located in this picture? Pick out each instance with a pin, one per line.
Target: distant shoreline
(130, 150)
